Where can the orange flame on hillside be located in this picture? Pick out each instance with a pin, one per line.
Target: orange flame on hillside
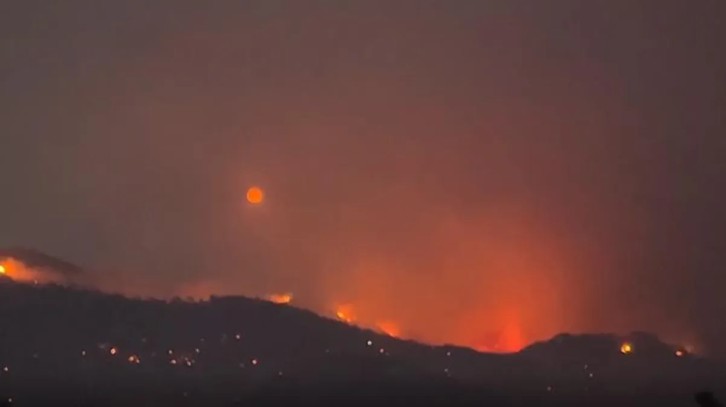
(389, 328)
(280, 298)
(345, 313)
(19, 272)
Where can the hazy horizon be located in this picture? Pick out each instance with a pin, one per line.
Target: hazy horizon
(483, 173)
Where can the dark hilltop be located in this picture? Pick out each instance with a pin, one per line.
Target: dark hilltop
(74, 345)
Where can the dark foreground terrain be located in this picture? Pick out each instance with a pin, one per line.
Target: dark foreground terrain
(69, 346)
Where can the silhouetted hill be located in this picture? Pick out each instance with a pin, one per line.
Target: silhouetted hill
(90, 348)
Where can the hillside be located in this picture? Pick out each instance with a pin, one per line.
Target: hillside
(86, 345)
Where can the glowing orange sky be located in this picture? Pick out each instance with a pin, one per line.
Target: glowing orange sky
(482, 173)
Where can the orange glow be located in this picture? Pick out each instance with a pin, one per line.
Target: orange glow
(511, 340)
(626, 348)
(680, 353)
(494, 293)
(113, 351)
(345, 313)
(494, 329)
(134, 359)
(18, 271)
(255, 195)
(389, 328)
(280, 298)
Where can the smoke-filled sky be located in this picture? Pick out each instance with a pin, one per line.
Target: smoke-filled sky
(486, 173)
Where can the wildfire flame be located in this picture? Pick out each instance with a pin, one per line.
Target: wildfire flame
(16, 270)
(389, 328)
(280, 298)
(345, 313)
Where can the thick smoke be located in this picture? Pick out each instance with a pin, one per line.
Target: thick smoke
(473, 173)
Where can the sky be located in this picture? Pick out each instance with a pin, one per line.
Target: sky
(485, 173)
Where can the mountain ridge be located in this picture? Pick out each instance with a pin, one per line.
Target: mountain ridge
(237, 348)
